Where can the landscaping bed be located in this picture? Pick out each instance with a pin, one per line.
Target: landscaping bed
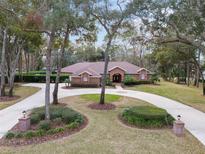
(146, 117)
(95, 98)
(8, 98)
(98, 106)
(64, 121)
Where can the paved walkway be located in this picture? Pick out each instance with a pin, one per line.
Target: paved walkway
(118, 87)
(194, 119)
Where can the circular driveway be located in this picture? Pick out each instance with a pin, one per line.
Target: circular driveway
(194, 119)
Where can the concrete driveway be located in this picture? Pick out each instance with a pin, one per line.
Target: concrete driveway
(194, 119)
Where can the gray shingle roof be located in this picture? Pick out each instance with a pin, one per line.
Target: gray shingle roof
(96, 68)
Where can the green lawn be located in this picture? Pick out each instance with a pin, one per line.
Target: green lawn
(23, 92)
(105, 134)
(191, 96)
(96, 98)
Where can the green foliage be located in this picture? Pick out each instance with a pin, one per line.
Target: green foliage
(44, 125)
(39, 78)
(108, 82)
(10, 135)
(147, 117)
(72, 125)
(19, 135)
(70, 116)
(29, 134)
(35, 118)
(57, 113)
(57, 121)
(129, 80)
(96, 97)
(39, 132)
(154, 78)
(56, 130)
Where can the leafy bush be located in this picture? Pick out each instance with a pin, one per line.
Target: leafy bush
(57, 121)
(44, 125)
(72, 125)
(129, 80)
(70, 116)
(29, 134)
(154, 78)
(40, 132)
(39, 78)
(108, 82)
(19, 135)
(55, 130)
(10, 135)
(147, 117)
(59, 114)
(35, 118)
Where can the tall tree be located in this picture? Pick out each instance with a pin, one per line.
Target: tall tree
(111, 16)
(74, 19)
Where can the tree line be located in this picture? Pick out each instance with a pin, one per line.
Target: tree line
(166, 36)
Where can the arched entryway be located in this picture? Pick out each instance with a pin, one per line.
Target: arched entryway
(117, 78)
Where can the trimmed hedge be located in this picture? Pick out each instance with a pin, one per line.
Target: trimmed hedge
(129, 80)
(39, 78)
(147, 117)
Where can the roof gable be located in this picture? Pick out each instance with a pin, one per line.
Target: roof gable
(97, 68)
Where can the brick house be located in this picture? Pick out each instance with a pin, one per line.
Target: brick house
(90, 73)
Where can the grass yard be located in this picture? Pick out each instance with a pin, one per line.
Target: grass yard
(96, 97)
(105, 134)
(191, 96)
(21, 91)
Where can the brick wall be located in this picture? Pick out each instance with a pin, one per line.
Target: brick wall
(117, 71)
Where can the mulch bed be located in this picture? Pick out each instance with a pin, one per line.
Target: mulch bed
(7, 98)
(106, 106)
(37, 140)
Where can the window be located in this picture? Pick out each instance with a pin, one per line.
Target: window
(142, 76)
(85, 79)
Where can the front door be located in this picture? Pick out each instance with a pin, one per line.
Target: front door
(116, 78)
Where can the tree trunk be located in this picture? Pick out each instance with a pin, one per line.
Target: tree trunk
(48, 74)
(102, 96)
(12, 71)
(55, 91)
(198, 71)
(188, 74)
(11, 87)
(2, 86)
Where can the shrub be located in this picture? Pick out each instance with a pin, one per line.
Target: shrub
(10, 135)
(147, 117)
(29, 134)
(19, 135)
(56, 130)
(154, 78)
(35, 118)
(38, 77)
(108, 82)
(44, 125)
(69, 116)
(129, 80)
(57, 121)
(40, 132)
(72, 125)
(56, 112)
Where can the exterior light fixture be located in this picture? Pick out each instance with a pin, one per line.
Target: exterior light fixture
(179, 117)
(24, 114)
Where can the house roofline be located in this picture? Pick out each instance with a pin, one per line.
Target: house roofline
(116, 67)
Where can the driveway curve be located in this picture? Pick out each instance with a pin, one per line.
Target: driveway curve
(194, 119)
